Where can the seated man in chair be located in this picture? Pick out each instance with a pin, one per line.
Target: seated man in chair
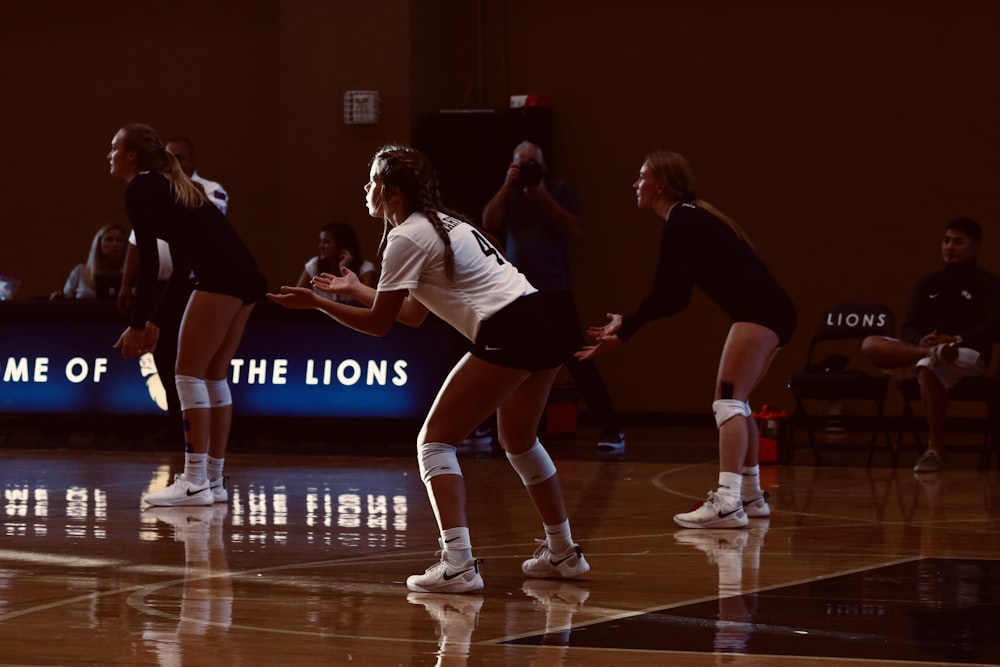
(948, 332)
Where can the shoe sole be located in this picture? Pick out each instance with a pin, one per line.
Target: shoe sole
(193, 501)
(557, 573)
(728, 522)
(753, 512)
(461, 587)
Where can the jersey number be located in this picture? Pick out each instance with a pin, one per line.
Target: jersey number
(487, 247)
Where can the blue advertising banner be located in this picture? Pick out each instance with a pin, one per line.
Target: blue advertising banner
(59, 360)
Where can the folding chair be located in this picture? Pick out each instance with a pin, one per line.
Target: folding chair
(828, 377)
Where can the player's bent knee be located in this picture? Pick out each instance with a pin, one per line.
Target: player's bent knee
(218, 393)
(534, 465)
(191, 392)
(727, 408)
(437, 458)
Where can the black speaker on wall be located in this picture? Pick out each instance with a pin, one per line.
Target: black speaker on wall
(471, 151)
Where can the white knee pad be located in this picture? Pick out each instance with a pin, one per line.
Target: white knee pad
(218, 393)
(534, 465)
(192, 392)
(727, 408)
(437, 458)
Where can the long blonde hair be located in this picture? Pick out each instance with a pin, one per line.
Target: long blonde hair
(153, 156)
(97, 262)
(674, 172)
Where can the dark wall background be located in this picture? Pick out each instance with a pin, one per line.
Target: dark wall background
(841, 136)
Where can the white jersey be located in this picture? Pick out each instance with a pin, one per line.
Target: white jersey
(166, 262)
(484, 281)
(214, 191)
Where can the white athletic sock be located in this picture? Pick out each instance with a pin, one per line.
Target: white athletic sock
(729, 485)
(457, 545)
(558, 537)
(750, 489)
(214, 470)
(195, 469)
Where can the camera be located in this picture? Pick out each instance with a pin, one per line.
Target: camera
(530, 174)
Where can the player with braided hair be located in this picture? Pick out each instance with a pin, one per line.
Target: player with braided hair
(434, 261)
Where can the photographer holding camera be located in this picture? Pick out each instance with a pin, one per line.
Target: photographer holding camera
(536, 217)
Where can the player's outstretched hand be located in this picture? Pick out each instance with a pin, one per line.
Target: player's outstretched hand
(332, 284)
(609, 329)
(603, 346)
(606, 338)
(294, 297)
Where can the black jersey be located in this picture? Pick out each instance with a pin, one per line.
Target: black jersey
(201, 242)
(961, 300)
(699, 250)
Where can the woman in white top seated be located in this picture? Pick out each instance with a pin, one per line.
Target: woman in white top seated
(107, 257)
(338, 249)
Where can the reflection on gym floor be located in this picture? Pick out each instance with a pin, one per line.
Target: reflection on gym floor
(306, 562)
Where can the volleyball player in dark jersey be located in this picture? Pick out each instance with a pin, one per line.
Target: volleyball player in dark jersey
(162, 202)
(700, 247)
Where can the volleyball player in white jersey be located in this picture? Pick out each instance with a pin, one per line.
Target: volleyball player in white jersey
(433, 261)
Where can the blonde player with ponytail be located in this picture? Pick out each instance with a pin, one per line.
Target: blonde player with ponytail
(700, 247)
(163, 203)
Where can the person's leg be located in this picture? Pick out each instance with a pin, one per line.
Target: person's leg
(892, 353)
(472, 391)
(220, 399)
(558, 556)
(746, 356)
(517, 425)
(934, 398)
(208, 324)
(203, 331)
(218, 372)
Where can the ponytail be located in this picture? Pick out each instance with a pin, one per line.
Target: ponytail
(152, 155)
(674, 172)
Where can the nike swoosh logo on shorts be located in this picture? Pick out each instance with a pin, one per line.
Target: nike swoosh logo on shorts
(490, 348)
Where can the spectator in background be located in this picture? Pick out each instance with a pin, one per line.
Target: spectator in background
(339, 249)
(107, 258)
(183, 150)
(948, 332)
(537, 217)
(158, 366)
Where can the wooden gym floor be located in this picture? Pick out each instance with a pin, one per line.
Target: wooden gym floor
(305, 565)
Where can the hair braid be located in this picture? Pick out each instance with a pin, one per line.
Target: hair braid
(409, 170)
